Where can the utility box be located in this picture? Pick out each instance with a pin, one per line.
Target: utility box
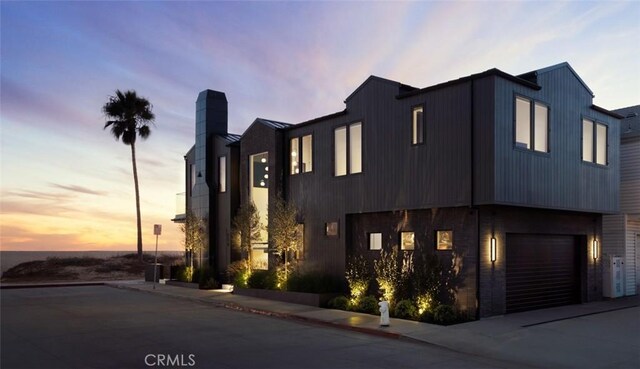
(149, 272)
(613, 274)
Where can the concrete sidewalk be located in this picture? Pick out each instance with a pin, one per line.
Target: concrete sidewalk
(603, 334)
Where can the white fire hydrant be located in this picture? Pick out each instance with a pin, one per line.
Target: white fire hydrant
(384, 313)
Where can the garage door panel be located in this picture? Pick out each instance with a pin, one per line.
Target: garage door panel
(541, 271)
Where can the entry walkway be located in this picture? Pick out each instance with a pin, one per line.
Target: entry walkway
(604, 334)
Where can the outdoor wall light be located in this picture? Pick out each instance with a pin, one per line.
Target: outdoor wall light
(594, 249)
(493, 249)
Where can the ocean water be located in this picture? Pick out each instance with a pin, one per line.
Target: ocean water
(9, 259)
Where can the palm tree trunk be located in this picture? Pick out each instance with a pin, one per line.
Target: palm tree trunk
(135, 181)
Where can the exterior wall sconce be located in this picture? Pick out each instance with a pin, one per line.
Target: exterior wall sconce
(493, 249)
(594, 249)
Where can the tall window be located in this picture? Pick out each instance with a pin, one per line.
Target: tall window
(307, 153)
(222, 174)
(594, 142)
(340, 151)
(348, 149)
(295, 156)
(531, 136)
(417, 127)
(301, 154)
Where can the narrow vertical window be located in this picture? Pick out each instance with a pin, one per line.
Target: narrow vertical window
(587, 140)
(523, 123)
(192, 176)
(295, 157)
(340, 151)
(541, 128)
(601, 144)
(417, 126)
(355, 148)
(375, 241)
(307, 153)
(222, 174)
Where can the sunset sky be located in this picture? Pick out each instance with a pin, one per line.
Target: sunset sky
(66, 184)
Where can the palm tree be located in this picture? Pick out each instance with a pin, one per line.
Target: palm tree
(129, 117)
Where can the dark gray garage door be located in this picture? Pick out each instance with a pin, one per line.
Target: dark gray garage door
(542, 271)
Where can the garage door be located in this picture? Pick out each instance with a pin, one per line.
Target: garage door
(542, 271)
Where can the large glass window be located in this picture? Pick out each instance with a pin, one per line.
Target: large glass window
(531, 136)
(417, 127)
(259, 194)
(355, 148)
(601, 144)
(307, 153)
(523, 123)
(340, 151)
(295, 157)
(541, 128)
(352, 151)
(594, 142)
(587, 140)
(222, 174)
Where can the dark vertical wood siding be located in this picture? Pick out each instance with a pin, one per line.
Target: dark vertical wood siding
(559, 179)
(396, 174)
(224, 205)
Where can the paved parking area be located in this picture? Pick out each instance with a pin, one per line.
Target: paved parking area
(103, 327)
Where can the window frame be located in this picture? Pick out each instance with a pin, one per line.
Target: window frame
(222, 187)
(414, 135)
(413, 246)
(532, 124)
(297, 156)
(369, 235)
(595, 140)
(348, 152)
(300, 156)
(437, 239)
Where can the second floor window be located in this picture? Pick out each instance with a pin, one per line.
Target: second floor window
(594, 142)
(348, 149)
(417, 126)
(301, 154)
(532, 125)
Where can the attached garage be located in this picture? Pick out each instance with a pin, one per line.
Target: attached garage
(541, 271)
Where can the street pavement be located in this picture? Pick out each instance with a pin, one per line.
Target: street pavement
(604, 334)
(102, 327)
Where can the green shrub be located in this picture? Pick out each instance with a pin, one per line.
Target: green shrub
(185, 274)
(339, 303)
(368, 305)
(444, 314)
(426, 317)
(405, 310)
(205, 278)
(262, 279)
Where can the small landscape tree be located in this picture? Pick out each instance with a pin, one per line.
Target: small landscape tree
(246, 230)
(283, 229)
(194, 236)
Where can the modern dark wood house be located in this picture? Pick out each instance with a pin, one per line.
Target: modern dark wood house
(505, 176)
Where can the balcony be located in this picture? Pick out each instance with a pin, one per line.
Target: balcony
(181, 204)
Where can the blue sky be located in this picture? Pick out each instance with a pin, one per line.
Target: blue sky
(67, 185)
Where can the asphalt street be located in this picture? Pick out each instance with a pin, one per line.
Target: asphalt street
(103, 327)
